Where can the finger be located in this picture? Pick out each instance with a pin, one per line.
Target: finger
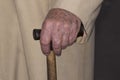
(45, 38)
(73, 34)
(56, 41)
(65, 38)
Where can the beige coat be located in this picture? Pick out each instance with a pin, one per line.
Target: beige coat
(21, 57)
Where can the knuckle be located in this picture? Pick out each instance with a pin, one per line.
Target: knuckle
(44, 42)
(58, 23)
(57, 42)
(48, 22)
(56, 45)
(66, 25)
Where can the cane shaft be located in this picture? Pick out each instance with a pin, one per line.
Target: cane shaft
(51, 66)
(51, 59)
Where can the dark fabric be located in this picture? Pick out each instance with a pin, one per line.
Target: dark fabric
(107, 42)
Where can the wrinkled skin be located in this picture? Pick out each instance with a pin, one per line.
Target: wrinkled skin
(61, 28)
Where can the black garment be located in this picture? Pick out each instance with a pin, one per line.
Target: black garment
(107, 42)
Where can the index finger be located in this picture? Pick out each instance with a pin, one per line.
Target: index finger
(45, 39)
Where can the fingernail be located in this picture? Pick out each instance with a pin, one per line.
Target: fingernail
(58, 53)
(46, 53)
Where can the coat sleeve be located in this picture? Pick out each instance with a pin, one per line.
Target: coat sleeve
(86, 10)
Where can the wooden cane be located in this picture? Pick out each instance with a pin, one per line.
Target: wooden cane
(51, 66)
(51, 58)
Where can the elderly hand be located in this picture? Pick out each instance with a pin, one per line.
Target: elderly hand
(61, 27)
